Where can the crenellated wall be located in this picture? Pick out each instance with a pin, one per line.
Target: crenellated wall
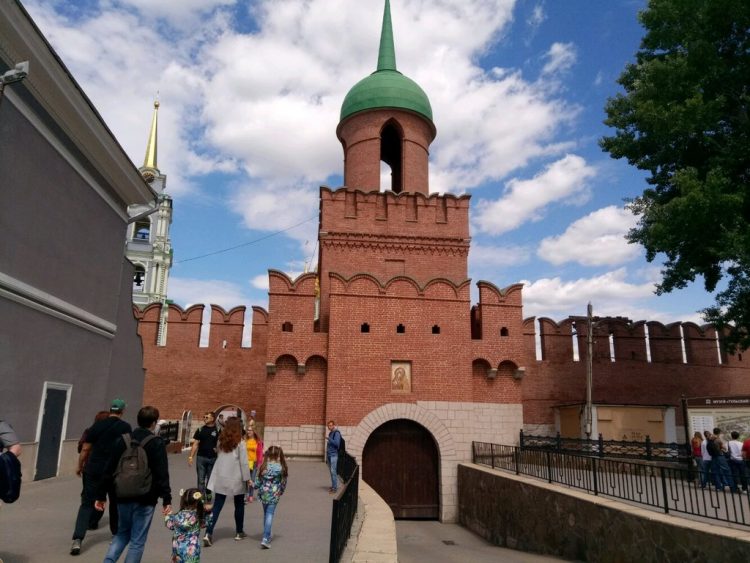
(648, 367)
(386, 235)
(182, 375)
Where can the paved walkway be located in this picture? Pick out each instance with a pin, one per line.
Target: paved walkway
(38, 527)
(450, 543)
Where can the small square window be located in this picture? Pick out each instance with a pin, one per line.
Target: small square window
(364, 328)
(400, 329)
(435, 329)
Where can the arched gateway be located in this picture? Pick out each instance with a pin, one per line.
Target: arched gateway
(401, 462)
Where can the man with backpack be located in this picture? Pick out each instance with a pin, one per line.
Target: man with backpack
(92, 460)
(10, 467)
(334, 446)
(139, 470)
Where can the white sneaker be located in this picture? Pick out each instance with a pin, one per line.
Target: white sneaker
(207, 541)
(265, 544)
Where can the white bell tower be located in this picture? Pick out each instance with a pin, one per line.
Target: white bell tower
(148, 245)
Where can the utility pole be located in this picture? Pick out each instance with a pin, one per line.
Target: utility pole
(589, 370)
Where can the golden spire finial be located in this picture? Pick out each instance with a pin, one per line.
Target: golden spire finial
(150, 160)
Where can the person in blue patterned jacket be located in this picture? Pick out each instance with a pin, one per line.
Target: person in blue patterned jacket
(270, 484)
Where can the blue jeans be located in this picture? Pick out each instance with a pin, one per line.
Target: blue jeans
(239, 512)
(268, 512)
(721, 473)
(738, 473)
(134, 522)
(204, 465)
(704, 467)
(333, 461)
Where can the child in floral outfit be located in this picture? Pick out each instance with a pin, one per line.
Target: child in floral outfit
(186, 526)
(271, 482)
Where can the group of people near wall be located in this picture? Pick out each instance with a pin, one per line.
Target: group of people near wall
(230, 462)
(723, 462)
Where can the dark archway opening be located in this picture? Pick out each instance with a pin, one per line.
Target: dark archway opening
(401, 462)
(391, 152)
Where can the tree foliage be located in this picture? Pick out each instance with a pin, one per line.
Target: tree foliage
(683, 118)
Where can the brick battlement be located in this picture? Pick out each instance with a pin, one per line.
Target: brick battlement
(347, 210)
(632, 341)
(185, 326)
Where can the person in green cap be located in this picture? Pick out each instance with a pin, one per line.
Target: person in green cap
(95, 453)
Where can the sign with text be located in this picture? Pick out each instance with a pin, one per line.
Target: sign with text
(719, 402)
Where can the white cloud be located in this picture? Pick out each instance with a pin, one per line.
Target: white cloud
(610, 293)
(525, 200)
(536, 18)
(598, 239)
(266, 102)
(560, 57)
(484, 258)
(260, 282)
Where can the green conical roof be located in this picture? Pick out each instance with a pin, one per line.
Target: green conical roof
(386, 87)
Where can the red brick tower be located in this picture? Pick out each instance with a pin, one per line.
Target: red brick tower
(384, 341)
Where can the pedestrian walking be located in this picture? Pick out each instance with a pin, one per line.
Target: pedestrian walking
(10, 466)
(271, 484)
(333, 446)
(695, 446)
(194, 514)
(705, 459)
(254, 458)
(95, 453)
(230, 478)
(203, 451)
(722, 474)
(138, 486)
(736, 463)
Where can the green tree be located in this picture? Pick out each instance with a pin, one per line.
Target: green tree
(683, 118)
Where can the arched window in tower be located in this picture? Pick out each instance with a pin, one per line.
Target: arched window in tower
(139, 278)
(391, 152)
(287, 327)
(400, 329)
(142, 230)
(504, 331)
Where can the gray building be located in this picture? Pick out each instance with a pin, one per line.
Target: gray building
(68, 340)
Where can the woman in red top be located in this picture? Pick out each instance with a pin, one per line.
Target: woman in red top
(695, 446)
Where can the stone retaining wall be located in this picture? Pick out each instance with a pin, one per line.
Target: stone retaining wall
(531, 515)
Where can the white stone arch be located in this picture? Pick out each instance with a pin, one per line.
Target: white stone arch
(448, 457)
(409, 411)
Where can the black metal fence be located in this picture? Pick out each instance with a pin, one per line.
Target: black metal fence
(344, 506)
(671, 489)
(648, 450)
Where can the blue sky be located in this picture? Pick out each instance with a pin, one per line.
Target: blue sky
(250, 94)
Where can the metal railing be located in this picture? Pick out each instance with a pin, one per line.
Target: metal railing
(648, 450)
(670, 489)
(344, 506)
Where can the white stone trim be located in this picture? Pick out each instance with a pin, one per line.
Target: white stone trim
(34, 298)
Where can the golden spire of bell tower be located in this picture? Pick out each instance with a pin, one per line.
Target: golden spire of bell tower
(150, 160)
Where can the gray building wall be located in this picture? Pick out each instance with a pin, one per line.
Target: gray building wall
(66, 318)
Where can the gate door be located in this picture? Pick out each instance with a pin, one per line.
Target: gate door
(50, 437)
(400, 461)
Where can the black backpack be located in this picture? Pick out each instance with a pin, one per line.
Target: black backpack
(713, 448)
(133, 475)
(342, 444)
(10, 477)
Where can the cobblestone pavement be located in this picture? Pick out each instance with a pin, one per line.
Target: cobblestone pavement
(38, 527)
